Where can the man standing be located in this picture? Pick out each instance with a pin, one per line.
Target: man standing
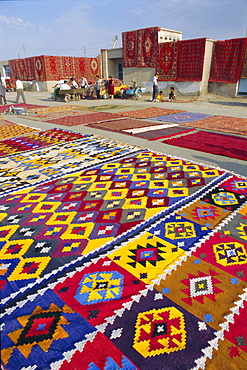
(155, 87)
(98, 86)
(84, 85)
(19, 90)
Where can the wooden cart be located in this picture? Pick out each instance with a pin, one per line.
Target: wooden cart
(72, 94)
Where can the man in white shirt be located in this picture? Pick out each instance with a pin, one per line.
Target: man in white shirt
(65, 86)
(19, 90)
(155, 87)
(84, 85)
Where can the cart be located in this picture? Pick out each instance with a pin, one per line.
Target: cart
(72, 94)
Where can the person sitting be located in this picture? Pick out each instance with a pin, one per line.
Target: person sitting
(160, 96)
(57, 87)
(73, 84)
(65, 86)
(172, 95)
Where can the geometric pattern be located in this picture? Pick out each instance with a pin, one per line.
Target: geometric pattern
(135, 253)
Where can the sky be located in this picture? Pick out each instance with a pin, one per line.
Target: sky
(82, 28)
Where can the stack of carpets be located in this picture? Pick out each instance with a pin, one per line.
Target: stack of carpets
(136, 262)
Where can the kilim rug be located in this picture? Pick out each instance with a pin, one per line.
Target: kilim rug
(228, 145)
(10, 130)
(169, 291)
(183, 117)
(234, 125)
(83, 119)
(15, 144)
(165, 133)
(149, 112)
(32, 167)
(4, 122)
(122, 124)
(22, 105)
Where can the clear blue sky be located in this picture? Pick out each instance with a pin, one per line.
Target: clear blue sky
(82, 27)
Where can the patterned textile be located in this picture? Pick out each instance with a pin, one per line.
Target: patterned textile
(22, 105)
(4, 122)
(165, 133)
(33, 141)
(230, 146)
(12, 130)
(48, 68)
(227, 60)
(244, 68)
(167, 67)
(48, 116)
(32, 167)
(191, 59)
(183, 117)
(147, 47)
(234, 125)
(171, 291)
(46, 228)
(148, 112)
(122, 124)
(129, 42)
(83, 119)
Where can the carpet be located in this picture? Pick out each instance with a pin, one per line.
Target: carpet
(234, 125)
(122, 124)
(19, 105)
(171, 290)
(35, 166)
(183, 117)
(10, 130)
(165, 133)
(191, 59)
(219, 144)
(167, 68)
(4, 122)
(15, 144)
(99, 108)
(148, 112)
(83, 119)
(47, 116)
(227, 61)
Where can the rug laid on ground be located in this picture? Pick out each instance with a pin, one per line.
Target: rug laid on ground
(22, 105)
(83, 118)
(32, 167)
(161, 133)
(9, 130)
(219, 144)
(99, 108)
(170, 291)
(149, 112)
(234, 125)
(40, 139)
(46, 116)
(5, 122)
(122, 124)
(183, 117)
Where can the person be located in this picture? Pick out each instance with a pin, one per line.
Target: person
(73, 84)
(98, 86)
(172, 95)
(19, 90)
(57, 87)
(160, 96)
(65, 86)
(111, 87)
(155, 87)
(84, 85)
(2, 94)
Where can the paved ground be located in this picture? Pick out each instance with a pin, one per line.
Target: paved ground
(209, 104)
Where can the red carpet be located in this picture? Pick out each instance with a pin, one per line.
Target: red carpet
(83, 119)
(20, 105)
(228, 145)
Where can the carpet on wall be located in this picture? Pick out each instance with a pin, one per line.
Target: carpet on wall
(191, 59)
(149, 112)
(169, 284)
(234, 125)
(168, 54)
(219, 144)
(83, 119)
(183, 117)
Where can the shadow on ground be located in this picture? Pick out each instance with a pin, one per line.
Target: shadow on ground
(235, 104)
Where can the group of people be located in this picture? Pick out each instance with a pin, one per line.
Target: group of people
(158, 95)
(18, 88)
